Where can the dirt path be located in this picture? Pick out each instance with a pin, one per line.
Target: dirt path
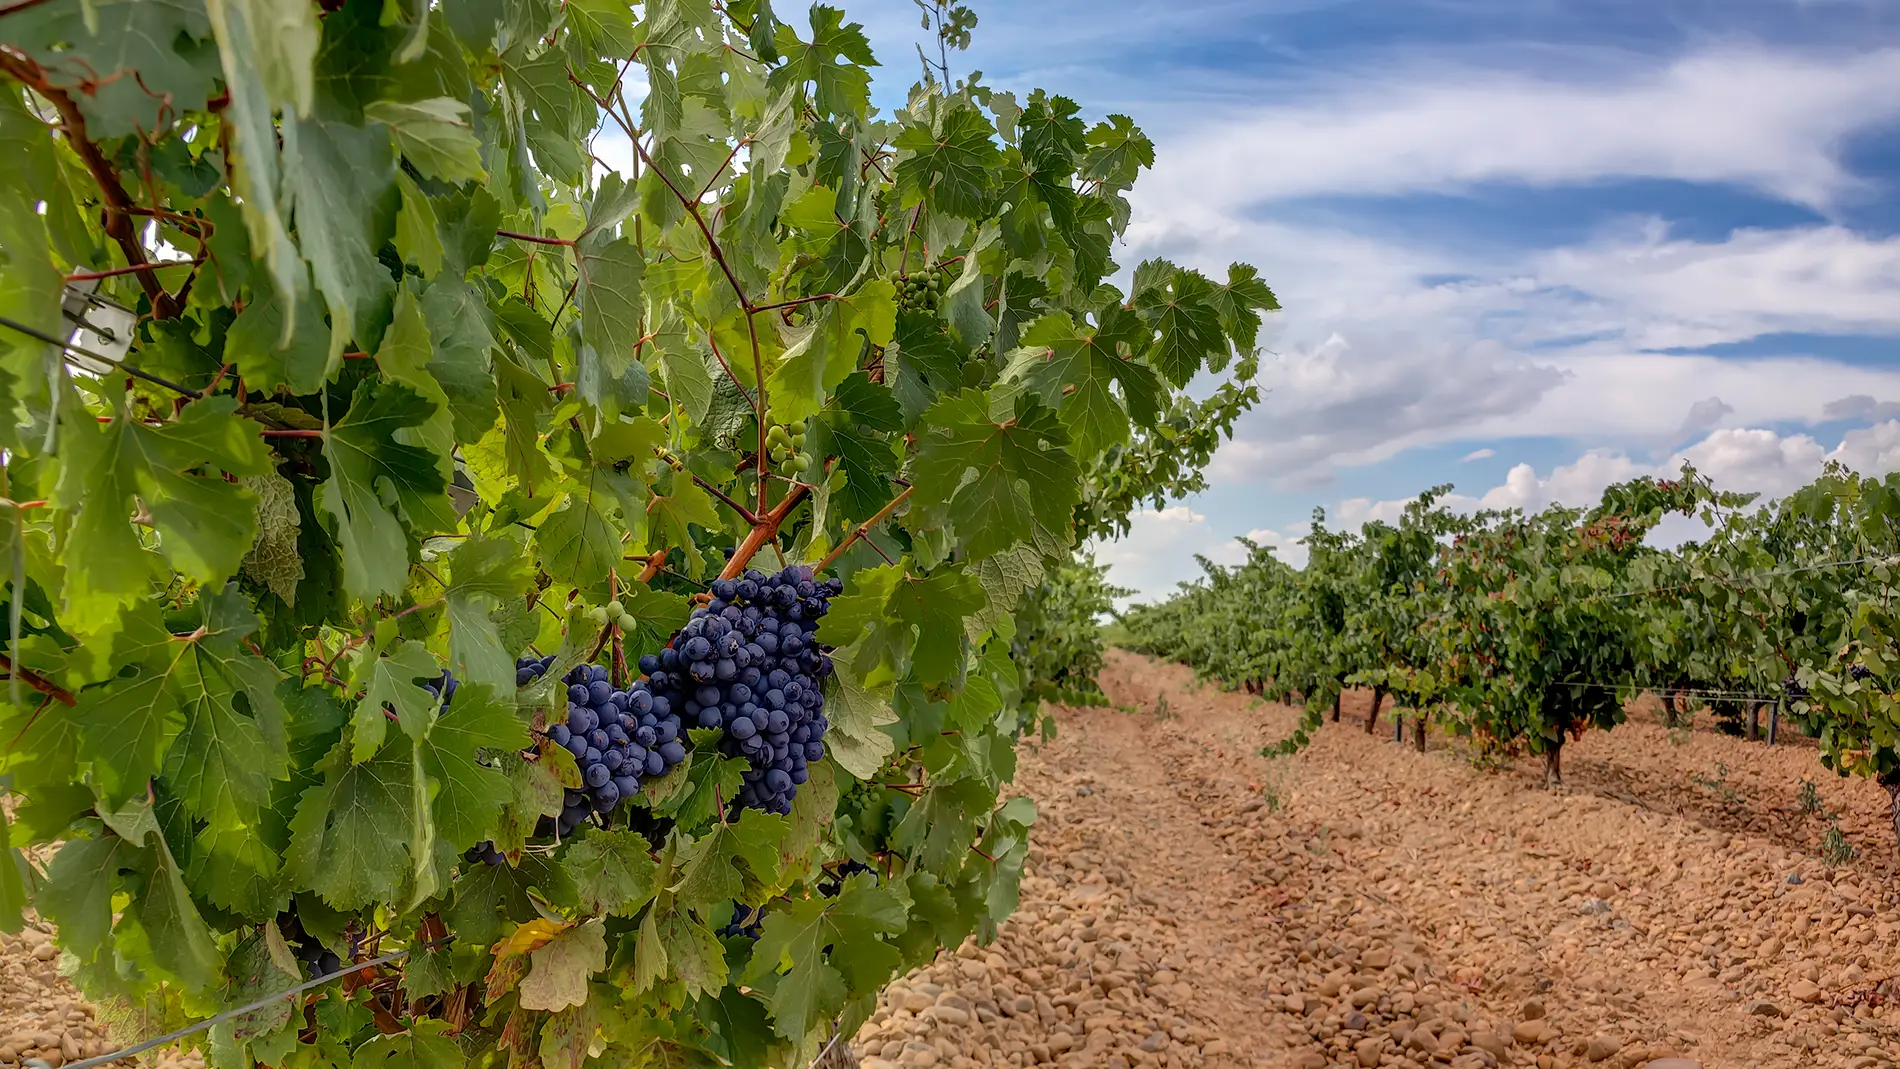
(1366, 905)
(1191, 904)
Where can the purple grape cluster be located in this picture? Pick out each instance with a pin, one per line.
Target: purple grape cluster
(618, 737)
(748, 662)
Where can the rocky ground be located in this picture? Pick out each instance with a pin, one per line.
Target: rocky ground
(1678, 905)
(1191, 903)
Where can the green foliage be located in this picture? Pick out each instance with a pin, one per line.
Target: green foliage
(416, 385)
(1059, 643)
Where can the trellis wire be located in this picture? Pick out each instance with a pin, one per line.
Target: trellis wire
(249, 1007)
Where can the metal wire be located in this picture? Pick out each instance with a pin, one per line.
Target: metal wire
(249, 1007)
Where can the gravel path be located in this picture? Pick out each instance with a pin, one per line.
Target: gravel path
(1192, 904)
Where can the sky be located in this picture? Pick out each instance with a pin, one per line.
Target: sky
(1525, 247)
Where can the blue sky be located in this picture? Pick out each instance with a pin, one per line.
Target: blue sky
(1526, 247)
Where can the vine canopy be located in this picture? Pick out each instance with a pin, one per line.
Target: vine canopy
(345, 342)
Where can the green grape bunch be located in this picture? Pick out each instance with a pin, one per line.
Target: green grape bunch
(922, 292)
(785, 445)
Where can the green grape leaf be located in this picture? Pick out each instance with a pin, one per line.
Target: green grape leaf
(839, 89)
(997, 478)
(730, 857)
(1240, 302)
(818, 984)
(612, 871)
(559, 971)
(345, 843)
(391, 683)
(340, 181)
(825, 352)
(434, 135)
(936, 605)
(951, 162)
(1183, 308)
(483, 572)
(424, 1046)
(579, 543)
(378, 483)
(468, 794)
(856, 714)
(204, 526)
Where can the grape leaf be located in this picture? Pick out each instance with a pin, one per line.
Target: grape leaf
(378, 483)
(951, 161)
(560, 969)
(434, 135)
(482, 572)
(424, 1046)
(730, 858)
(340, 181)
(1023, 472)
(468, 795)
(1240, 302)
(839, 88)
(612, 871)
(819, 983)
(344, 840)
(393, 682)
(204, 526)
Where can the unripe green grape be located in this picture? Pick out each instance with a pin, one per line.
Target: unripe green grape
(798, 441)
(614, 608)
(798, 427)
(627, 622)
(598, 614)
(778, 454)
(801, 462)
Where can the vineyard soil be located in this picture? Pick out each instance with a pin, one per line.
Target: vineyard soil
(1449, 915)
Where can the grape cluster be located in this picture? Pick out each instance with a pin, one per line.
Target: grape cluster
(1859, 672)
(1792, 688)
(748, 662)
(618, 737)
(529, 669)
(312, 955)
(921, 292)
(786, 446)
(484, 852)
(746, 923)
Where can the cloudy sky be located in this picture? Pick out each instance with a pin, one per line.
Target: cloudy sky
(1527, 247)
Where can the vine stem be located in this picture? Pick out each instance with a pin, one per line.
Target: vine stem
(119, 207)
(863, 529)
(533, 238)
(763, 532)
(675, 463)
(39, 682)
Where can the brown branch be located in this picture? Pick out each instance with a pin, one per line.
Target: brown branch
(653, 565)
(674, 462)
(763, 532)
(39, 682)
(795, 302)
(864, 529)
(532, 238)
(119, 207)
(269, 433)
(114, 272)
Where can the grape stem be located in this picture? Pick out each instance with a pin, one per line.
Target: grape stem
(763, 531)
(863, 529)
(38, 682)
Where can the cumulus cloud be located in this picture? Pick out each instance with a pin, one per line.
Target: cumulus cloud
(1749, 460)
(1860, 406)
(1735, 115)
(1704, 414)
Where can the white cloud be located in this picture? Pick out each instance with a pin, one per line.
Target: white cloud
(1479, 454)
(1750, 460)
(1742, 115)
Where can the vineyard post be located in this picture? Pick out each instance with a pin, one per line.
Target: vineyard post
(1372, 714)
